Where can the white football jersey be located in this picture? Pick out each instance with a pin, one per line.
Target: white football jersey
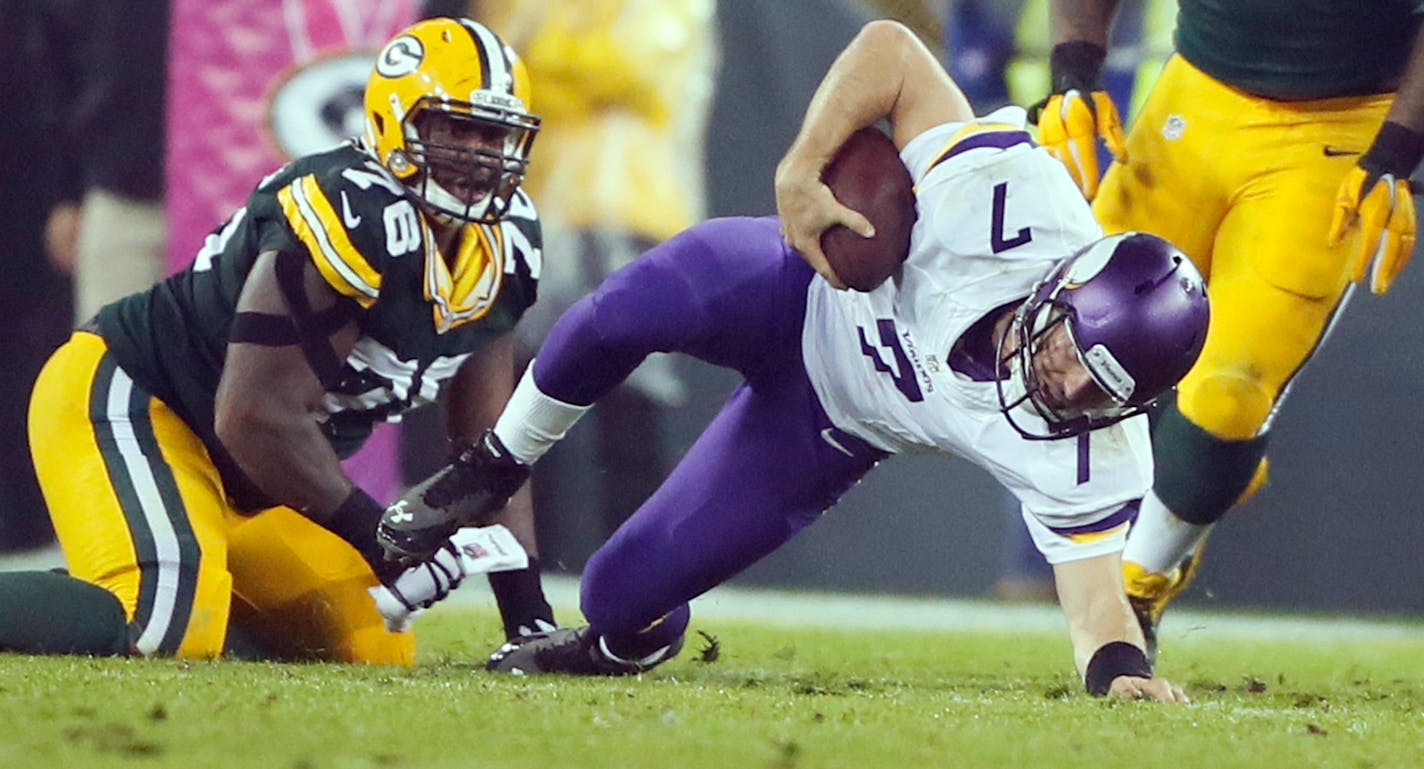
(996, 212)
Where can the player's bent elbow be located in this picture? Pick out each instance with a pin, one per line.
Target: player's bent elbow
(886, 31)
(235, 427)
(247, 428)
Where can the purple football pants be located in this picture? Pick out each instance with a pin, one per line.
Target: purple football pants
(730, 292)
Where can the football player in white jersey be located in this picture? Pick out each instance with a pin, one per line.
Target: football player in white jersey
(1014, 335)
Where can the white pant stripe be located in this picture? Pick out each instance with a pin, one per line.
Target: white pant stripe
(165, 539)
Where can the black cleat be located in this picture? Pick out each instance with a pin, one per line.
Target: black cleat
(470, 491)
(571, 651)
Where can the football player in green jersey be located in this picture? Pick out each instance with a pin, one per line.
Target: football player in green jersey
(188, 439)
(1275, 150)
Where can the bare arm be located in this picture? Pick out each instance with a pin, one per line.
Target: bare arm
(268, 399)
(1408, 106)
(1081, 20)
(1093, 600)
(477, 395)
(884, 73)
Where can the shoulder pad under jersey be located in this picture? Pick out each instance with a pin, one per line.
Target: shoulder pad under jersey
(522, 229)
(354, 219)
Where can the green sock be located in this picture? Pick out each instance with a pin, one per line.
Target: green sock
(43, 612)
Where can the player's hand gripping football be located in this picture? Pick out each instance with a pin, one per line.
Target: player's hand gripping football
(807, 208)
(470, 491)
(1374, 209)
(1072, 118)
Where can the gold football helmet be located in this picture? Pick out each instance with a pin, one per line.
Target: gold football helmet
(447, 112)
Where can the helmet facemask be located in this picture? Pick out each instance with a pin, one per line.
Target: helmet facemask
(468, 160)
(1021, 389)
(1134, 310)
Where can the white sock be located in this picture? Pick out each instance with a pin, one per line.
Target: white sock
(1159, 540)
(532, 422)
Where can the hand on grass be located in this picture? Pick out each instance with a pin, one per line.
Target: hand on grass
(1156, 688)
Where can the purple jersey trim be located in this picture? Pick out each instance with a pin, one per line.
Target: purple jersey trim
(995, 139)
(1126, 514)
(973, 355)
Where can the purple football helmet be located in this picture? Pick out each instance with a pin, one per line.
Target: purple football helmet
(1136, 309)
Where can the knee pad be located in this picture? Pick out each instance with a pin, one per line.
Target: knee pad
(1228, 406)
(1200, 476)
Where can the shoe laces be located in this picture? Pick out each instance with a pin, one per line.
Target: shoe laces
(444, 577)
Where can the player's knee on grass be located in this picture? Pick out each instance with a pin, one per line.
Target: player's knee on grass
(1200, 476)
(634, 627)
(45, 612)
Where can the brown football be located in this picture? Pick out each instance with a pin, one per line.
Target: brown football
(867, 175)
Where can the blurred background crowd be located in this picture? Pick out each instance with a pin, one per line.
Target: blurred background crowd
(134, 126)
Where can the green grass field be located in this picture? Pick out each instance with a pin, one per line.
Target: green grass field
(798, 681)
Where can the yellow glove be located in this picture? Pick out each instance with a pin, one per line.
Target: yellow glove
(1374, 208)
(1069, 126)
(1380, 211)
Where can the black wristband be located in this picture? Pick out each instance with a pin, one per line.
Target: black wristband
(355, 521)
(1076, 65)
(1397, 149)
(1118, 658)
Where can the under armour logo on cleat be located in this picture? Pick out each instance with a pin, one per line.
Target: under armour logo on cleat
(398, 513)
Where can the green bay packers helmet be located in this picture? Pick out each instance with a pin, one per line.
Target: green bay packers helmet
(457, 71)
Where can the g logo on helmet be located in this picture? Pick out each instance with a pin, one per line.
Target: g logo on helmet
(400, 57)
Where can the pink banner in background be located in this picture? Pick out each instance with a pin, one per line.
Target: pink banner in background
(251, 84)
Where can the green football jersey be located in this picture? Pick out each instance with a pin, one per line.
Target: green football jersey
(1300, 49)
(420, 317)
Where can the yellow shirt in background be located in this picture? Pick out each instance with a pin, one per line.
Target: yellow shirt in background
(623, 87)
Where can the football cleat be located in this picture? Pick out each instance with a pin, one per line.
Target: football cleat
(1149, 592)
(571, 651)
(470, 491)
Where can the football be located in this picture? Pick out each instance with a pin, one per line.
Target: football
(867, 175)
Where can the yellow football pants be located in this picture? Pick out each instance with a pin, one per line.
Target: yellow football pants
(1245, 186)
(140, 510)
